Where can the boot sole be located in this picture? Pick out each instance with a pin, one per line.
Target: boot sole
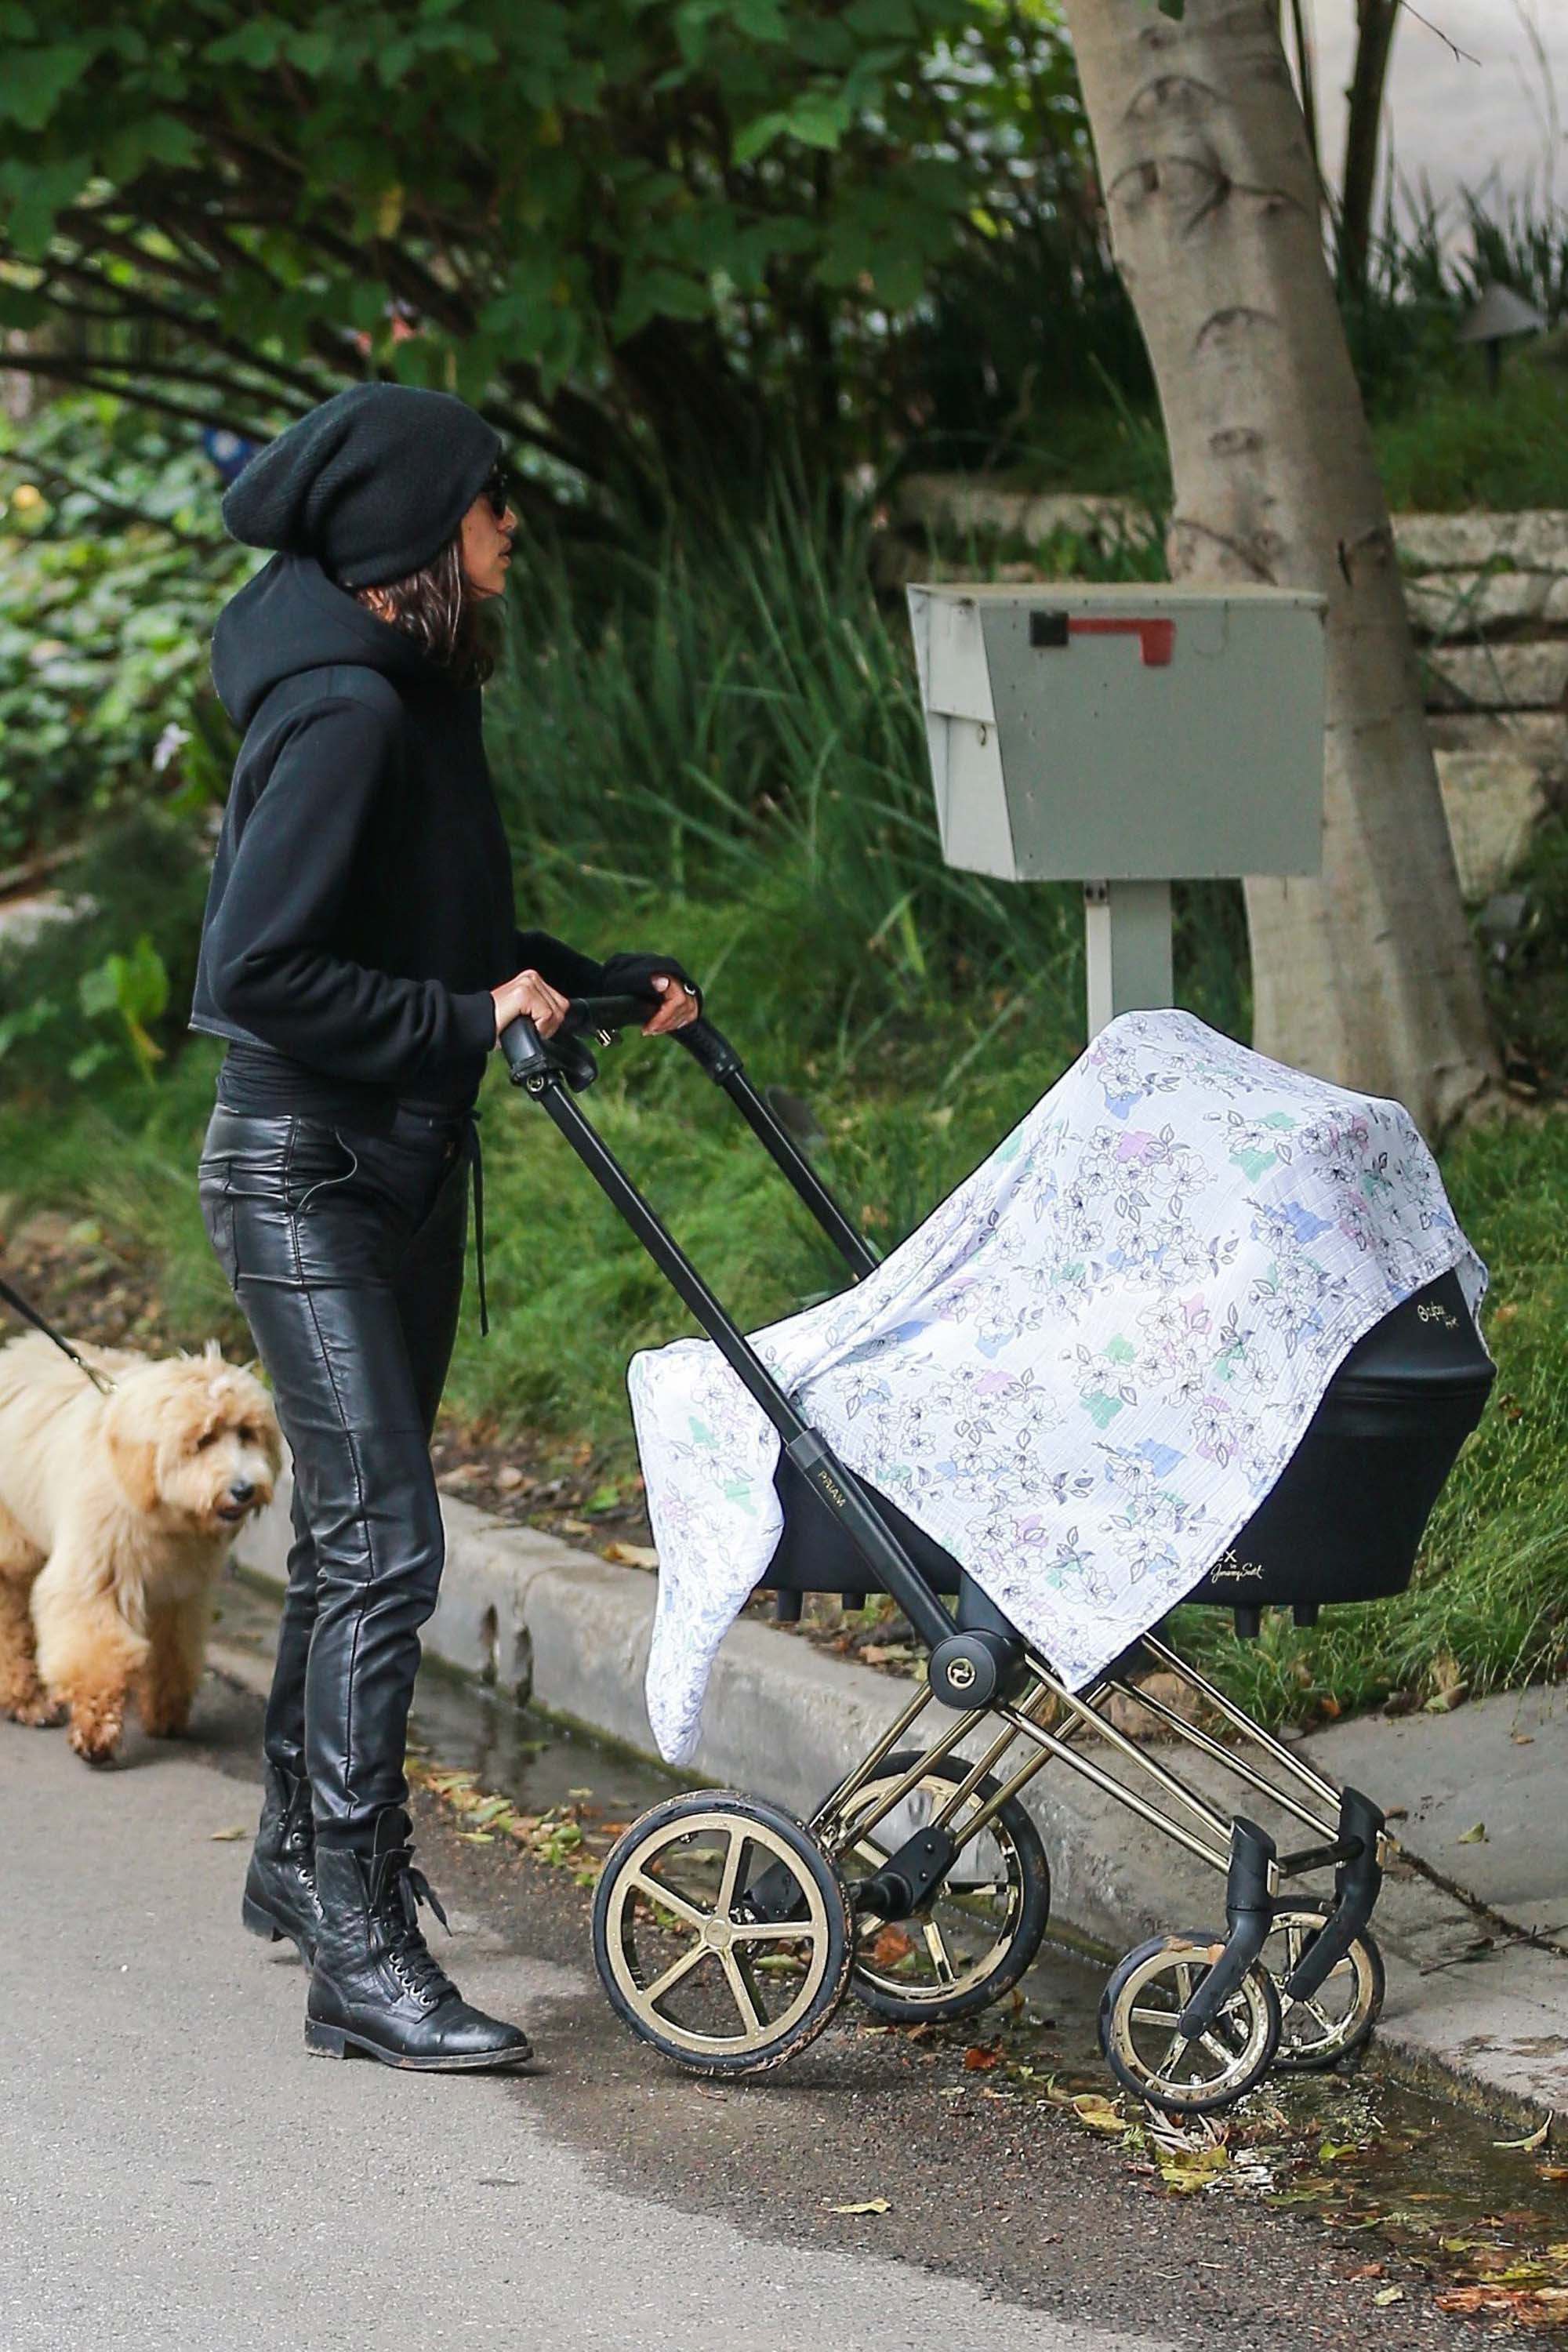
(261, 1923)
(337, 2041)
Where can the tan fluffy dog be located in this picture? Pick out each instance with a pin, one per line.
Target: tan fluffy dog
(116, 1514)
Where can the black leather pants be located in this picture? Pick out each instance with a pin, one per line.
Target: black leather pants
(345, 1251)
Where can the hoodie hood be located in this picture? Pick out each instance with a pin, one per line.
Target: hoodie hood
(293, 618)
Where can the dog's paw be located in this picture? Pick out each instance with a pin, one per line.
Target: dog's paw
(95, 1735)
(40, 1713)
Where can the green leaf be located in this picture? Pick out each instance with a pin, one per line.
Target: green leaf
(763, 20)
(758, 136)
(1177, 8)
(35, 81)
(45, 192)
(170, 140)
(311, 52)
(819, 122)
(256, 43)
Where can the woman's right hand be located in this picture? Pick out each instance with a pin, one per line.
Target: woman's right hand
(526, 992)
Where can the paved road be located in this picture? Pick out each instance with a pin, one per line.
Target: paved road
(176, 2171)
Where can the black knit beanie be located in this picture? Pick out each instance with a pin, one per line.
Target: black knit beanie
(373, 483)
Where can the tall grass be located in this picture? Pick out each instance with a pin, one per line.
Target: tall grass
(744, 727)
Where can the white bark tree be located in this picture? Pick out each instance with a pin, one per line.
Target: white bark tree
(1368, 977)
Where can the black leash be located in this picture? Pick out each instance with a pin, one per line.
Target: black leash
(31, 1315)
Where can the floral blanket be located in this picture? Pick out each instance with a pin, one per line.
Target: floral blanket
(1084, 1372)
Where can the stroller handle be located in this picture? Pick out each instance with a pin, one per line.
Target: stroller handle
(607, 1014)
(563, 1059)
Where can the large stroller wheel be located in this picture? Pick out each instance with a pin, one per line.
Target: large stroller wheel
(996, 1901)
(721, 1933)
(1148, 2055)
(1337, 2020)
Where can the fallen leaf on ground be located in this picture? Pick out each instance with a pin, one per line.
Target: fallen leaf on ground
(1092, 2108)
(630, 1555)
(491, 1810)
(891, 1946)
(1448, 1685)
(1387, 2294)
(978, 2060)
(1543, 2307)
(1534, 2139)
(870, 2205)
(1188, 2168)
(225, 1837)
(1475, 1835)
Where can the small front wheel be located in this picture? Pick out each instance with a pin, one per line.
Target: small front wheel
(1336, 2020)
(1150, 2055)
(721, 1933)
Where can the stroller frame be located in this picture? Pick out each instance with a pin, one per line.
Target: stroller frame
(983, 1670)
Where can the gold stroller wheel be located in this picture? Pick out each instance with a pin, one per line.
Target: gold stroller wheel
(721, 1933)
(970, 1945)
(1152, 2059)
(1337, 2020)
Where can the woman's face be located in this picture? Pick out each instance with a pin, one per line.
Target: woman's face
(487, 546)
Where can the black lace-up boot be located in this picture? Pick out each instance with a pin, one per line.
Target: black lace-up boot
(280, 1885)
(376, 1986)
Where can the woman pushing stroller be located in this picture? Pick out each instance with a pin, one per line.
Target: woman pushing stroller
(361, 957)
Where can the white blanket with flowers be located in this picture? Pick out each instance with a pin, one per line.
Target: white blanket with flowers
(1084, 1372)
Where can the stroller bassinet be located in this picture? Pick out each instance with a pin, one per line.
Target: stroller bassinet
(1369, 1469)
(726, 1931)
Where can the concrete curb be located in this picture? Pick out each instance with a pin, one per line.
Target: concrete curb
(562, 1630)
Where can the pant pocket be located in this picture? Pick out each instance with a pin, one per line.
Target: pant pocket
(218, 1217)
(311, 1151)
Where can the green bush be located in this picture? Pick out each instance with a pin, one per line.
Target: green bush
(112, 985)
(112, 565)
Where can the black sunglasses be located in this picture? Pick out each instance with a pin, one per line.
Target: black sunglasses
(497, 490)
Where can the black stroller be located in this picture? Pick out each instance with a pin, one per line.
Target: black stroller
(726, 1931)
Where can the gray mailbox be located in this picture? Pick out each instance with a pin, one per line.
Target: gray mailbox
(1125, 737)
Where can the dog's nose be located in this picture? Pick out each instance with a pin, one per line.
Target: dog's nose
(241, 1489)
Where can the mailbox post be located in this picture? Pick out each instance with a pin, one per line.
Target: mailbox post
(1123, 737)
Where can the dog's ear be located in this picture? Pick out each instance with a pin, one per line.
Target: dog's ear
(135, 1464)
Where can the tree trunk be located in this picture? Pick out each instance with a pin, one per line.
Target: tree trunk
(1368, 976)
(1306, 80)
(1375, 21)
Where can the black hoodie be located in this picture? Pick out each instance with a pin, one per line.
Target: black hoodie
(361, 906)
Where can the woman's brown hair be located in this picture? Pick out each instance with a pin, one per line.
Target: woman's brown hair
(438, 608)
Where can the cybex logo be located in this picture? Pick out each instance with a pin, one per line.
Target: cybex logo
(961, 1674)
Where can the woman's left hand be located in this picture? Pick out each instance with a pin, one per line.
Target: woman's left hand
(679, 1005)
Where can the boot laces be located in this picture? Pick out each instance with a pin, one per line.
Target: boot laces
(403, 1889)
(299, 1831)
